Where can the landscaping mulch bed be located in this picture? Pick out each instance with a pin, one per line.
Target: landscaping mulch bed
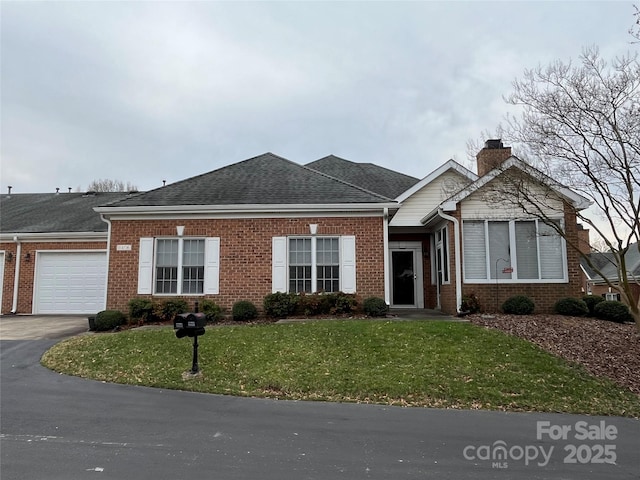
(604, 348)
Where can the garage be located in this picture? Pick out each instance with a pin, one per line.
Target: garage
(70, 282)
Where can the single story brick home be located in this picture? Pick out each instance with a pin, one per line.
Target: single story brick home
(268, 224)
(605, 285)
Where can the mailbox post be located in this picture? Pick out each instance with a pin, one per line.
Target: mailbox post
(191, 325)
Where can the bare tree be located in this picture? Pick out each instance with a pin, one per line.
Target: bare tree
(108, 185)
(580, 128)
(634, 31)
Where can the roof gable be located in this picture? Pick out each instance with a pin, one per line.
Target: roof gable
(450, 165)
(263, 180)
(366, 175)
(578, 201)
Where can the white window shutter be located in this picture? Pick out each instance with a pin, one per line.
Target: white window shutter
(279, 264)
(145, 266)
(212, 266)
(348, 264)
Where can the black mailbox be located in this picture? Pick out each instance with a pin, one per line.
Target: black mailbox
(191, 325)
(190, 320)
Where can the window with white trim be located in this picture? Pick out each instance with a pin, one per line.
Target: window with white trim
(314, 264)
(179, 266)
(515, 250)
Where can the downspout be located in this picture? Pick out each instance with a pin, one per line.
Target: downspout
(16, 276)
(106, 277)
(387, 282)
(456, 235)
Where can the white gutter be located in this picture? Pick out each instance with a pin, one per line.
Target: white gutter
(387, 282)
(249, 208)
(16, 277)
(456, 234)
(106, 280)
(54, 236)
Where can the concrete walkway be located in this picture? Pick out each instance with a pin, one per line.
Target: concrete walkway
(38, 327)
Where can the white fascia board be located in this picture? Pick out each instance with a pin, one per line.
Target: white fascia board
(449, 165)
(54, 237)
(247, 210)
(578, 201)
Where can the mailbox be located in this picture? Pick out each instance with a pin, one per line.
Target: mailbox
(190, 320)
(191, 325)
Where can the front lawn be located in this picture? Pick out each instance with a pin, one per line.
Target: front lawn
(417, 363)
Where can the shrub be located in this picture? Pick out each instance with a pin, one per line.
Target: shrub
(375, 307)
(518, 305)
(313, 304)
(573, 307)
(211, 309)
(140, 309)
(592, 301)
(341, 303)
(170, 308)
(470, 303)
(244, 310)
(280, 304)
(109, 320)
(613, 310)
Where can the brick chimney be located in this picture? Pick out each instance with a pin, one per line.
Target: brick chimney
(492, 155)
(583, 239)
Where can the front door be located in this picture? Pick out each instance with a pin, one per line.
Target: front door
(406, 276)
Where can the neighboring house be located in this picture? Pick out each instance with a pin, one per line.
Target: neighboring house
(53, 252)
(595, 284)
(267, 225)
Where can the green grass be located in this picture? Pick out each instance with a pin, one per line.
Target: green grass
(434, 364)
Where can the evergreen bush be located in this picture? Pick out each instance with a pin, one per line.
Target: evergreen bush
(518, 305)
(573, 307)
(244, 310)
(592, 301)
(109, 320)
(280, 304)
(375, 307)
(613, 311)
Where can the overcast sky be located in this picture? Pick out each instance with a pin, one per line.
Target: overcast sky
(149, 91)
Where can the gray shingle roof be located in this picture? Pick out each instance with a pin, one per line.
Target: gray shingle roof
(266, 179)
(606, 263)
(52, 213)
(366, 175)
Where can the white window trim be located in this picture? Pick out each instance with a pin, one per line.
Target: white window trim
(147, 266)
(444, 259)
(347, 262)
(512, 243)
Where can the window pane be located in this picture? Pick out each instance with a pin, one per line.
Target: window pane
(499, 251)
(300, 265)
(166, 279)
(475, 263)
(167, 266)
(527, 250)
(445, 256)
(551, 261)
(327, 264)
(193, 266)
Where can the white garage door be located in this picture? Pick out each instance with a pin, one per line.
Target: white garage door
(70, 282)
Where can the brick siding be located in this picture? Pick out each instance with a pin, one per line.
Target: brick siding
(245, 254)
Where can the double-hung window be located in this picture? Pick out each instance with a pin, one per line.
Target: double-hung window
(179, 266)
(526, 251)
(314, 264)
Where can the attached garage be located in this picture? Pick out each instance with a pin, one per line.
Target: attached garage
(70, 282)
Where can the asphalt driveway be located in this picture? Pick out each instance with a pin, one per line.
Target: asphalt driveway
(60, 427)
